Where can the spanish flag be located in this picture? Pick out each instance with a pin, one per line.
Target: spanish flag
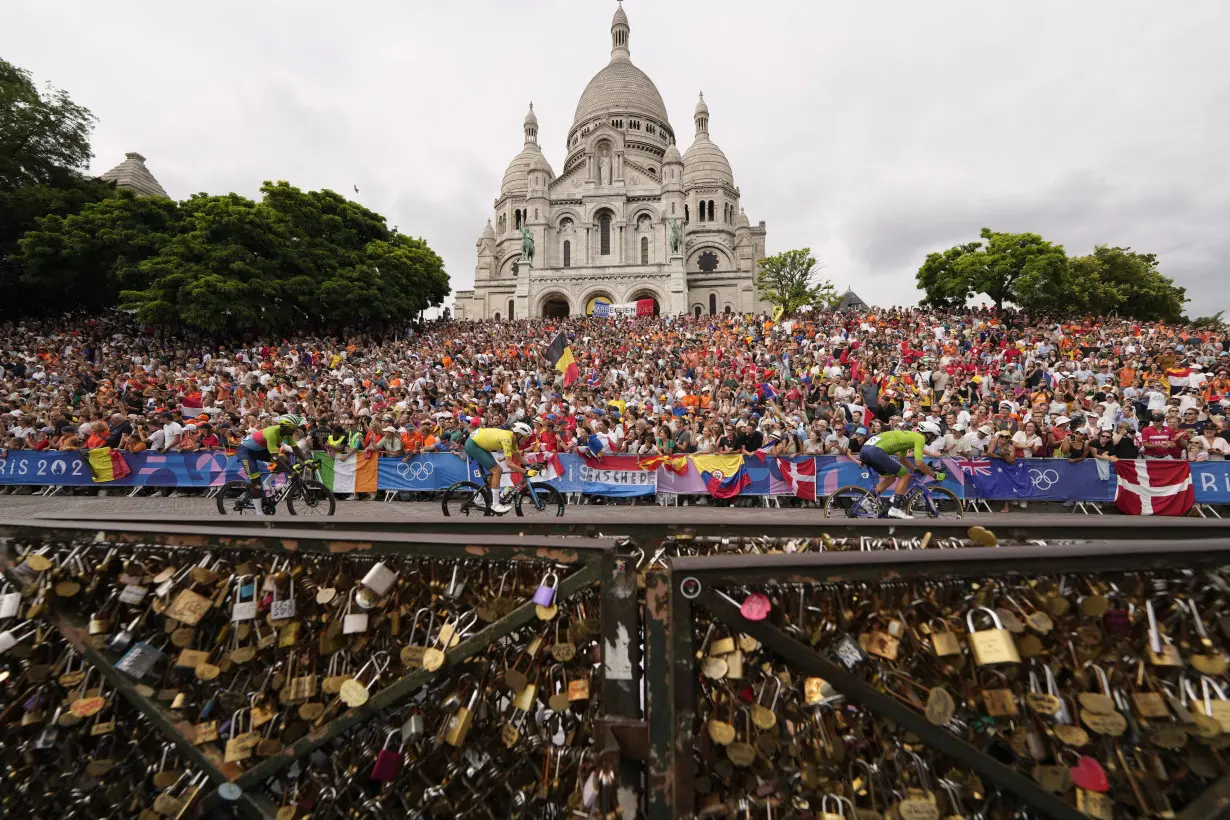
(560, 355)
(107, 465)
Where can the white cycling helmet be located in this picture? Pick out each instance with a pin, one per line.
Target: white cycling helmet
(929, 428)
(522, 429)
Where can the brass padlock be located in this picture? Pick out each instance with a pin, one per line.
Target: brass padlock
(991, 646)
(459, 723)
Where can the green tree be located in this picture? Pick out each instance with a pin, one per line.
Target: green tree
(41, 134)
(1022, 268)
(1214, 322)
(20, 211)
(81, 259)
(791, 280)
(1122, 282)
(293, 260)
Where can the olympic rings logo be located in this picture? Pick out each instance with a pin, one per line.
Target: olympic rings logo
(1043, 479)
(416, 470)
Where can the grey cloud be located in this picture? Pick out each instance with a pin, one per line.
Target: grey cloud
(871, 132)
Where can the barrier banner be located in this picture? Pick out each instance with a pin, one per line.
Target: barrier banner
(423, 474)
(620, 476)
(205, 469)
(1036, 479)
(1211, 480)
(617, 477)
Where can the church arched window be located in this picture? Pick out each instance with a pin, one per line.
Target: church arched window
(697, 311)
(712, 304)
(644, 250)
(701, 218)
(604, 234)
(711, 216)
(510, 308)
(567, 254)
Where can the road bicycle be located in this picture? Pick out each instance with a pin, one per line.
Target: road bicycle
(466, 498)
(302, 491)
(922, 498)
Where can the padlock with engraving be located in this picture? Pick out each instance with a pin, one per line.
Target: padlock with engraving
(244, 607)
(380, 579)
(283, 609)
(545, 594)
(459, 723)
(139, 660)
(388, 761)
(991, 646)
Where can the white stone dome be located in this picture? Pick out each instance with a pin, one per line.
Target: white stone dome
(704, 162)
(741, 221)
(621, 88)
(672, 155)
(538, 162)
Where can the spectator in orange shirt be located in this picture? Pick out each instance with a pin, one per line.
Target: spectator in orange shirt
(97, 437)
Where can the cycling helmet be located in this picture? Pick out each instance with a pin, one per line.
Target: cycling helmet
(929, 428)
(291, 420)
(522, 429)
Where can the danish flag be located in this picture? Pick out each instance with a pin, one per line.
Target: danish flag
(800, 476)
(1154, 487)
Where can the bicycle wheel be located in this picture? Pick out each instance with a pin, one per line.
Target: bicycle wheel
(943, 503)
(235, 498)
(852, 502)
(311, 498)
(465, 498)
(546, 501)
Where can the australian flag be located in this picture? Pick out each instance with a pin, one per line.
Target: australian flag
(997, 480)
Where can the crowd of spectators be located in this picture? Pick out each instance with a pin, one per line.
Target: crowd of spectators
(1000, 385)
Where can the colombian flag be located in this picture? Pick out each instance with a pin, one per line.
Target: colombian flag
(107, 464)
(724, 476)
(560, 355)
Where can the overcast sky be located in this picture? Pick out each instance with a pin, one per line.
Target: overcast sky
(871, 132)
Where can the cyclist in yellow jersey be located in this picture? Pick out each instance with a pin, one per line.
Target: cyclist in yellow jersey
(878, 454)
(487, 440)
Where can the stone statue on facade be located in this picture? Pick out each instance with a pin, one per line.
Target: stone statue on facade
(604, 169)
(676, 236)
(527, 245)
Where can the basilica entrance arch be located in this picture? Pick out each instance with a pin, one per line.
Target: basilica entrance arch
(638, 295)
(554, 306)
(594, 297)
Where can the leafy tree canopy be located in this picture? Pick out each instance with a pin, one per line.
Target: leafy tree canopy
(1022, 268)
(293, 260)
(41, 134)
(1036, 275)
(791, 280)
(1121, 281)
(81, 259)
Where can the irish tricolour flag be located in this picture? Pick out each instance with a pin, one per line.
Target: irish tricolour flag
(354, 474)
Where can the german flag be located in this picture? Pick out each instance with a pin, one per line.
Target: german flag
(560, 355)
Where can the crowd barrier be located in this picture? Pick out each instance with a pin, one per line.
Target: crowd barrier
(622, 476)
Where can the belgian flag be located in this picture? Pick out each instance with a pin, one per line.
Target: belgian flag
(560, 355)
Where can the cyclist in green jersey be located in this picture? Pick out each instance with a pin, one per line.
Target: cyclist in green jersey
(878, 454)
